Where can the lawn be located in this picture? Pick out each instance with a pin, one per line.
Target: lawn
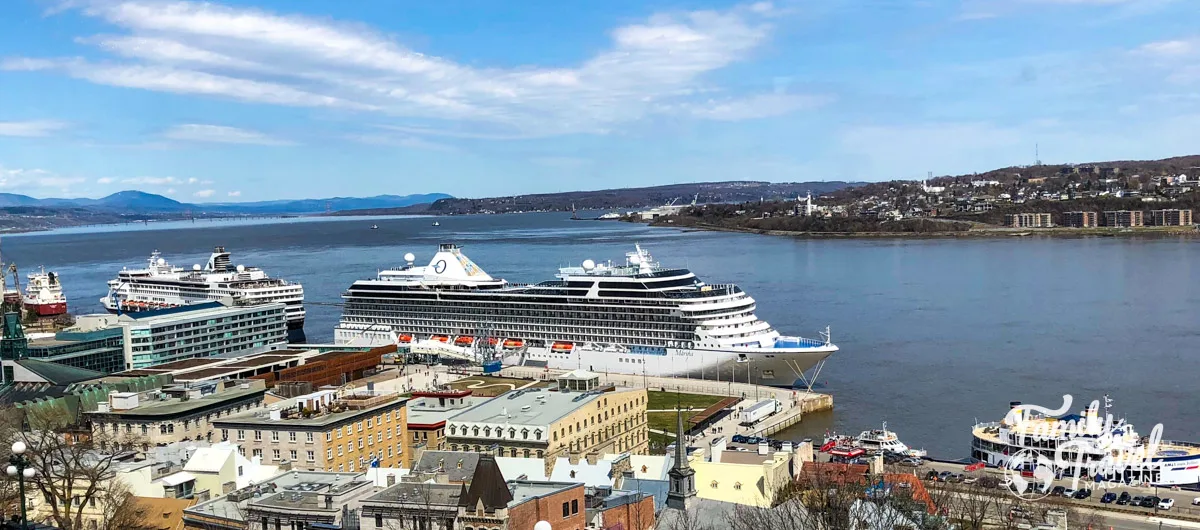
(487, 386)
(663, 421)
(668, 401)
(659, 442)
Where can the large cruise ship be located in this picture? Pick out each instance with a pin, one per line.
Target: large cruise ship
(160, 285)
(635, 317)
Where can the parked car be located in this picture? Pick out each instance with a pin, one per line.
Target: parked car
(1069, 493)
(1196, 501)
(970, 480)
(944, 476)
(1166, 504)
(1083, 493)
(1149, 502)
(1108, 498)
(1123, 499)
(912, 462)
(1137, 501)
(1058, 491)
(955, 478)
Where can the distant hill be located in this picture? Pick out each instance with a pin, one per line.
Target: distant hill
(616, 199)
(321, 205)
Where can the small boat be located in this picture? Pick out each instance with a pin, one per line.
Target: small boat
(405, 338)
(877, 441)
(440, 338)
(512, 344)
(435, 223)
(374, 227)
(464, 340)
(562, 347)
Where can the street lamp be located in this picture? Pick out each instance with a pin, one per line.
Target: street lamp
(19, 466)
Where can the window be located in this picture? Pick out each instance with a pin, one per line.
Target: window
(257, 452)
(274, 436)
(291, 436)
(329, 454)
(275, 454)
(368, 423)
(312, 456)
(293, 455)
(566, 510)
(574, 506)
(258, 435)
(379, 437)
(339, 450)
(359, 426)
(240, 471)
(379, 520)
(308, 437)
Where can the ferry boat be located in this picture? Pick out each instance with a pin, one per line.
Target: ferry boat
(43, 295)
(875, 441)
(160, 285)
(1172, 464)
(636, 317)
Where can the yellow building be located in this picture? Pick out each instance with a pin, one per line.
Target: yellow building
(580, 416)
(750, 478)
(323, 431)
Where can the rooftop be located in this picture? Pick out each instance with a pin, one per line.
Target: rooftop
(345, 408)
(426, 411)
(447, 495)
(233, 506)
(458, 465)
(176, 405)
(531, 406)
(523, 491)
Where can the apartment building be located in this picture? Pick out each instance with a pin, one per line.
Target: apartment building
(173, 413)
(429, 411)
(1171, 217)
(1124, 218)
(1080, 219)
(323, 431)
(582, 417)
(1028, 220)
(201, 330)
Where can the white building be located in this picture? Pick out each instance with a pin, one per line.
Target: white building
(201, 330)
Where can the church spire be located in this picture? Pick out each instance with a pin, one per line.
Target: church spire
(682, 476)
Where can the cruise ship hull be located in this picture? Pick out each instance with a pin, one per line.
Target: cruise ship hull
(778, 367)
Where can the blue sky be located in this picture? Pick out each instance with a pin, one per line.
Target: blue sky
(266, 99)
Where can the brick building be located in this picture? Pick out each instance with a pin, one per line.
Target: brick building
(1028, 220)
(1171, 217)
(628, 510)
(1080, 219)
(561, 504)
(1124, 218)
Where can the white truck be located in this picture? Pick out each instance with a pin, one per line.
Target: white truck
(756, 412)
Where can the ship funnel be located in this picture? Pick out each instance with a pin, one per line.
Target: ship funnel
(219, 261)
(1014, 404)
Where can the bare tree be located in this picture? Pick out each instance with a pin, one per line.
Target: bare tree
(74, 475)
(683, 520)
(120, 509)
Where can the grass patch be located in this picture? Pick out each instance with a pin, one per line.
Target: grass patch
(487, 386)
(659, 442)
(668, 400)
(663, 421)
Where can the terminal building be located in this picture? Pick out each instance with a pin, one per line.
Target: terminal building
(93, 343)
(578, 417)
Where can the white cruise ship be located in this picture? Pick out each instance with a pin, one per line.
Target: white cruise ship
(161, 285)
(633, 318)
(1109, 445)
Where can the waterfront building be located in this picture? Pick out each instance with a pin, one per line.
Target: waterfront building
(429, 411)
(174, 413)
(1080, 219)
(93, 343)
(201, 330)
(581, 418)
(325, 431)
(1124, 218)
(1028, 220)
(741, 477)
(1171, 217)
(294, 499)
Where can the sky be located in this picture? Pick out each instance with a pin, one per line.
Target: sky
(244, 100)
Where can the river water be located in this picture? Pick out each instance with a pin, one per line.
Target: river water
(934, 334)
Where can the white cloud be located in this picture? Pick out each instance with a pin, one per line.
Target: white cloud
(30, 128)
(192, 180)
(105, 180)
(196, 132)
(262, 57)
(36, 181)
(1170, 48)
(152, 181)
(234, 194)
(203, 194)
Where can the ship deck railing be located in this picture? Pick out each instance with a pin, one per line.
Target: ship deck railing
(798, 342)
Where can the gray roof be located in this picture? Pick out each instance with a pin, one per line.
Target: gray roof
(459, 466)
(418, 413)
(226, 508)
(524, 491)
(320, 420)
(177, 406)
(545, 407)
(440, 495)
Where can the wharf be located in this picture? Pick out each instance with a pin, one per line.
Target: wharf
(795, 403)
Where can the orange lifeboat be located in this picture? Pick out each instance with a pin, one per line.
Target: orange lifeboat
(405, 338)
(562, 347)
(464, 340)
(440, 338)
(513, 344)
(492, 341)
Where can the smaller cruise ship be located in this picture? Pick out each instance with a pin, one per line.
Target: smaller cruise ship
(1110, 446)
(875, 441)
(44, 295)
(160, 286)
